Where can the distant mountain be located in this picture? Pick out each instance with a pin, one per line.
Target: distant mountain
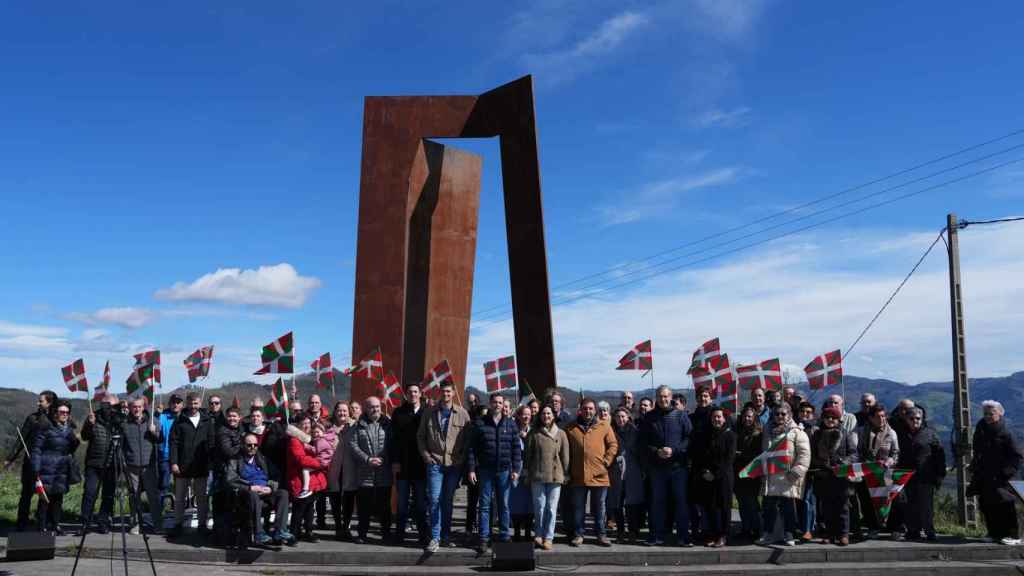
(936, 397)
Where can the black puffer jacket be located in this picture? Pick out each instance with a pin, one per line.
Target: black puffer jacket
(98, 435)
(494, 446)
(922, 452)
(53, 452)
(191, 445)
(228, 447)
(404, 450)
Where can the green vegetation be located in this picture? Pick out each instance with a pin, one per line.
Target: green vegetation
(10, 490)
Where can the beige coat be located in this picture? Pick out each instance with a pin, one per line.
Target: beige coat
(591, 453)
(789, 484)
(436, 448)
(546, 457)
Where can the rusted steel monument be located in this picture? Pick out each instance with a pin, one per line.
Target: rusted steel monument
(418, 206)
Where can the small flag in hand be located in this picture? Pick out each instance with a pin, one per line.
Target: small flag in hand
(500, 374)
(825, 370)
(198, 363)
(639, 358)
(774, 460)
(277, 356)
(278, 403)
(390, 390)
(74, 376)
(324, 371)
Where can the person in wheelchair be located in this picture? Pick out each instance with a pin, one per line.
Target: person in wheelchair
(256, 486)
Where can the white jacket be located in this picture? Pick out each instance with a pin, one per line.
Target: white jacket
(789, 484)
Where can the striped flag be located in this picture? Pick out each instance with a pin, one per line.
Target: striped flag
(150, 357)
(278, 403)
(525, 392)
(883, 483)
(639, 358)
(766, 375)
(701, 356)
(825, 370)
(198, 364)
(324, 371)
(74, 376)
(277, 356)
(142, 378)
(438, 375)
(371, 367)
(776, 459)
(100, 391)
(500, 374)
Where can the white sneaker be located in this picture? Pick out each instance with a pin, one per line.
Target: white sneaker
(790, 542)
(304, 494)
(763, 541)
(432, 546)
(1010, 541)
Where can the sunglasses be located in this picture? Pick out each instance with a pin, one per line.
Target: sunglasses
(212, 402)
(63, 412)
(251, 445)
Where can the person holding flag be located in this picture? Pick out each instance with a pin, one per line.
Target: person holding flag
(40, 419)
(53, 453)
(831, 446)
(783, 441)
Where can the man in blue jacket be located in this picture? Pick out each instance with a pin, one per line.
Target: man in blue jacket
(163, 454)
(495, 460)
(663, 442)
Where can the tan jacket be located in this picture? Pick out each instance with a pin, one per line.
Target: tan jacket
(546, 457)
(789, 484)
(437, 448)
(591, 453)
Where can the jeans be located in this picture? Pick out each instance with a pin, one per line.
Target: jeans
(772, 505)
(442, 482)
(496, 485)
(163, 468)
(597, 498)
(545, 508)
(808, 508)
(418, 488)
(667, 481)
(98, 480)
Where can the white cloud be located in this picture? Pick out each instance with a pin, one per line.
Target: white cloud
(794, 300)
(33, 343)
(564, 64)
(718, 118)
(124, 316)
(660, 198)
(13, 329)
(277, 285)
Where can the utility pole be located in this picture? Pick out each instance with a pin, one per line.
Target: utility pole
(963, 451)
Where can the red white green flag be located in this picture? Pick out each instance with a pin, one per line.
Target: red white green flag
(438, 375)
(701, 356)
(719, 377)
(277, 356)
(150, 357)
(278, 403)
(142, 378)
(74, 376)
(500, 374)
(825, 370)
(100, 391)
(371, 366)
(639, 358)
(774, 460)
(883, 483)
(390, 390)
(324, 371)
(766, 375)
(198, 363)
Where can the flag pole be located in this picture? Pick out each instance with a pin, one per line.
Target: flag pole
(28, 456)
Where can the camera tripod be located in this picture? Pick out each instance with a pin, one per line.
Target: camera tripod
(116, 458)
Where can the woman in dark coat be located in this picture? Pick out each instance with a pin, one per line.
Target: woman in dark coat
(626, 494)
(747, 490)
(995, 463)
(920, 451)
(52, 459)
(713, 465)
(831, 446)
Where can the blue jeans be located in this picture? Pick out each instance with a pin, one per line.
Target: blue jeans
(441, 482)
(808, 508)
(163, 469)
(665, 480)
(597, 497)
(545, 508)
(419, 496)
(497, 485)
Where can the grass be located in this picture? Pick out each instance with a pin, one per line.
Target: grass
(10, 492)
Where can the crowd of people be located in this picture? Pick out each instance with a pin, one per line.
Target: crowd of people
(652, 471)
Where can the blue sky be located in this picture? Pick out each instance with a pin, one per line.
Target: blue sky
(147, 147)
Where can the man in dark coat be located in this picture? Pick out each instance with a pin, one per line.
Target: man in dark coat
(99, 467)
(250, 476)
(494, 463)
(996, 461)
(663, 444)
(141, 440)
(920, 451)
(407, 464)
(192, 439)
(227, 447)
(33, 422)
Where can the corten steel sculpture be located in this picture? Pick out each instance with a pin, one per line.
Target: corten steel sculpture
(418, 203)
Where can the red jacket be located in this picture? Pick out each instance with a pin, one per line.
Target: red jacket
(296, 459)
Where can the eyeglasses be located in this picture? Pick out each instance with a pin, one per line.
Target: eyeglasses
(253, 445)
(63, 411)
(214, 402)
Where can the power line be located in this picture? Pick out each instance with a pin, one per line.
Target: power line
(965, 223)
(777, 236)
(618, 267)
(895, 292)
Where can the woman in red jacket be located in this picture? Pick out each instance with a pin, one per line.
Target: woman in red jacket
(296, 459)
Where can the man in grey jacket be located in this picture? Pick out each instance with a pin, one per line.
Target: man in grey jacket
(141, 438)
(369, 444)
